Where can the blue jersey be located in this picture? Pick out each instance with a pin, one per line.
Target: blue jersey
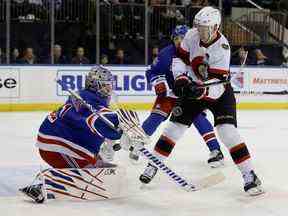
(161, 68)
(76, 131)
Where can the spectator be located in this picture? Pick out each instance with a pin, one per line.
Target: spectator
(120, 57)
(58, 57)
(28, 58)
(240, 58)
(155, 52)
(80, 58)
(285, 57)
(261, 59)
(104, 59)
(14, 56)
(200, 2)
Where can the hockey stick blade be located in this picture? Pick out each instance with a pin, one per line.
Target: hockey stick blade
(210, 181)
(180, 181)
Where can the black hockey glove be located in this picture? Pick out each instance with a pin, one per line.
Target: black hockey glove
(184, 87)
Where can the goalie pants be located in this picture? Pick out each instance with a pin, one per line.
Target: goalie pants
(61, 161)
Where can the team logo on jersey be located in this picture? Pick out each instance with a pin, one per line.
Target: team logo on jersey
(225, 46)
(177, 111)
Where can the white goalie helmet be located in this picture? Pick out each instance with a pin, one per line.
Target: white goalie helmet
(207, 21)
(100, 79)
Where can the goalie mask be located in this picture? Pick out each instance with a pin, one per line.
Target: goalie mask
(207, 21)
(99, 79)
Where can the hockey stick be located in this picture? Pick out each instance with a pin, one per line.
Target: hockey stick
(284, 92)
(181, 182)
(203, 183)
(127, 116)
(209, 84)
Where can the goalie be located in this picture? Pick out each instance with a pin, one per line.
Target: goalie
(75, 137)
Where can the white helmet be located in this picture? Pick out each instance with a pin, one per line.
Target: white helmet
(206, 19)
(208, 16)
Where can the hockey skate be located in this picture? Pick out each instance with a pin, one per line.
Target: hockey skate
(216, 159)
(148, 174)
(35, 192)
(252, 184)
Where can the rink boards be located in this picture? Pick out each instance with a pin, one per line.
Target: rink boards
(29, 88)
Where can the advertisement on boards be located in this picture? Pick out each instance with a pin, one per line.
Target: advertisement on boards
(9, 83)
(128, 81)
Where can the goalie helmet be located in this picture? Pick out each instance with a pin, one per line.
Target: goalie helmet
(207, 21)
(99, 79)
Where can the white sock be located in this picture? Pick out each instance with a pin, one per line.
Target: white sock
(245, 166)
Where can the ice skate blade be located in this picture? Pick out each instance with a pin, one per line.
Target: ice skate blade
(216, 164)
(255, 191)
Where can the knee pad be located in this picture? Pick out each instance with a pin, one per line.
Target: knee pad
(228, 135)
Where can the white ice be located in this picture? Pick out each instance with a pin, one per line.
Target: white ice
(265, 133)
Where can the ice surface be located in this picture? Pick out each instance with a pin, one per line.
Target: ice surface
(264, 131)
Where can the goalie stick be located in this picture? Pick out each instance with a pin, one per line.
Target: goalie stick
(177, 179)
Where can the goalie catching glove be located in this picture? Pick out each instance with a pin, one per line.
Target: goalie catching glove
(133, 137)
(184, 87)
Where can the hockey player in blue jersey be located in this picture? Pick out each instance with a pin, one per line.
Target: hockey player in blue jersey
(71, 136)
(161, 76)
(75, 137)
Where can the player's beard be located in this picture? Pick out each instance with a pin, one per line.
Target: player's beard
(205, 33)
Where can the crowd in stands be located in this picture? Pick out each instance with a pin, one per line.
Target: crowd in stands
(253, 56)
(122, 34)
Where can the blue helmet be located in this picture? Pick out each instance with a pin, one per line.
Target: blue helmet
(179, 31)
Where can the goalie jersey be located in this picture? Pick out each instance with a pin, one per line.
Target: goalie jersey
(75, 131)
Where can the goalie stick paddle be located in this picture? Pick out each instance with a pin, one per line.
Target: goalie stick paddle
(178, 180)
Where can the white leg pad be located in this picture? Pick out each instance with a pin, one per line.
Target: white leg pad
(84, 184)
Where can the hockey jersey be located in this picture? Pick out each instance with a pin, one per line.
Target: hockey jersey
(76, 131)
(163, 70)
(217, 55)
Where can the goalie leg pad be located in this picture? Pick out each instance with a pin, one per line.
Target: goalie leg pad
(85, 184)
